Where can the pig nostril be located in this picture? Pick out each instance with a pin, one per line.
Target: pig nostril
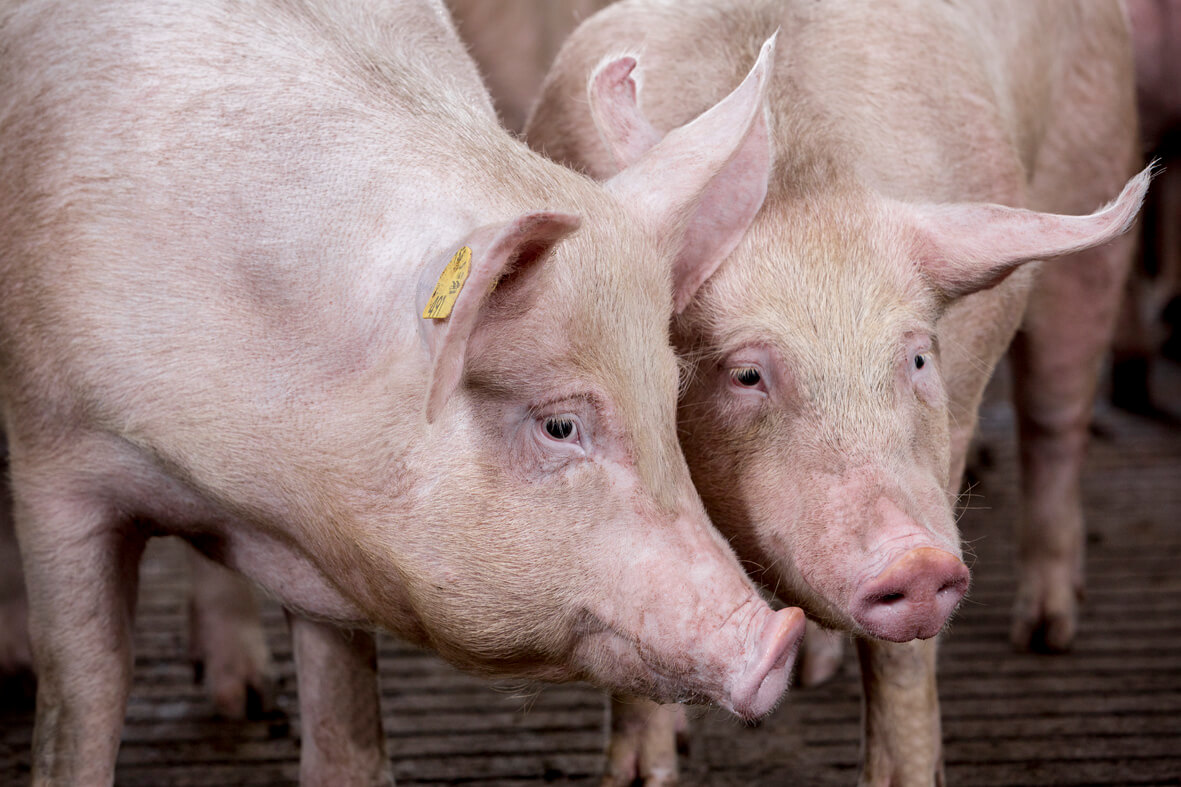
(953, 586)
(913, 597)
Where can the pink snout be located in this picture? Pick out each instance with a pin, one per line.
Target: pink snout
(913, 597)
(758, 688)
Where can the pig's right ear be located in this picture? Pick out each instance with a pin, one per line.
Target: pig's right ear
(702, 183)
(965, 248)
(488, 255)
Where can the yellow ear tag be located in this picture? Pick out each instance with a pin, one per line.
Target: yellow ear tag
(451, 281)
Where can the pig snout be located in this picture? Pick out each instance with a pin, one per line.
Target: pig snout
(913, 597)
(756, 690)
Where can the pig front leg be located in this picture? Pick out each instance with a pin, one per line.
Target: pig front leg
(902, 742)
(81, 569)
(821, 654)
(643, 742)
(16, 659)
(1056, 362)
(339, 706)
(226, 640)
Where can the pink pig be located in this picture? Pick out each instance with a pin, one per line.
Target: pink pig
(220, 227)
(838, 356)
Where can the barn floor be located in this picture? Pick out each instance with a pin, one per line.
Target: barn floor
(1107, 713)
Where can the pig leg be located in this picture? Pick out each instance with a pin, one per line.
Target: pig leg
(1056, 362)
(820, 655)
(902, 742)
(339, 706)
(1132, 352)
(643, 742)
(81, 568)
(226, 640)
(16, 660)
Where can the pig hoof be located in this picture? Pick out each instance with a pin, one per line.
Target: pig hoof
(1049, 635)
(903, 777)
(645, 741)
(239, 691)
(1045, 628)
(821, 655)
(649, 778)
(236, 672)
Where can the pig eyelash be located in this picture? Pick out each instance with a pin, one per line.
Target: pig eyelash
(562, 432)
(748, 379)
(746, 376)
(561, 429)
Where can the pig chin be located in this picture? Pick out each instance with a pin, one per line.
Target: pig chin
(749, 685)
(614, 662)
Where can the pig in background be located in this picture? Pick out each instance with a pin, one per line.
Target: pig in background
(514, 42)
(220, 225)
(923, 158)
(1150, 320)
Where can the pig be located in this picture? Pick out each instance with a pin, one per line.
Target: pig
(923, 157)
(1150, 319)
(275, 281)
(513, 42)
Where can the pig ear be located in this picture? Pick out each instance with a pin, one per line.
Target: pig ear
(702, 183)
(965, 248)
(496, 252)
(624, 130)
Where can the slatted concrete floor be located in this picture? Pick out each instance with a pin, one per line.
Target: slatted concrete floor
(1107, 713)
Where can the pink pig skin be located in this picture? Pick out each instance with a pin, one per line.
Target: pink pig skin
(219, 225)
(839, 354)
(226, 640)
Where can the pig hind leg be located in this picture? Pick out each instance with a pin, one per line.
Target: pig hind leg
(1056, 362)
(643, 744)
(226, 640)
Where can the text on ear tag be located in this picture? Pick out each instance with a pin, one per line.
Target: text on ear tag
(451, 281)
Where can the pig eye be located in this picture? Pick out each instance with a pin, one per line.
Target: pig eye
(561, 429)
(746, 376)
(920, 361)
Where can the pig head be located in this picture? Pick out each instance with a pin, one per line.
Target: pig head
(815, 418)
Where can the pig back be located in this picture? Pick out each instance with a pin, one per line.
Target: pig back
(176, 178)
(919, 101)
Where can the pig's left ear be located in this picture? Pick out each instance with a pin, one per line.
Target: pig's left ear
(452, 297)
(965, 248)
(701, 183)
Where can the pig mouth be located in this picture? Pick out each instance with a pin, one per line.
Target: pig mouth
(620, 662)
(750, 692)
